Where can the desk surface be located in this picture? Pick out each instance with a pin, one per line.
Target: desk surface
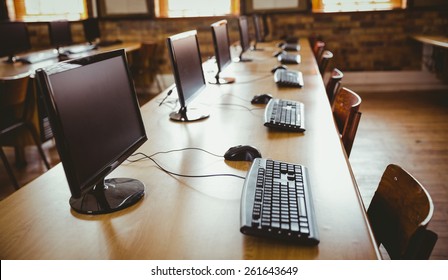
(12, 69)
(191, 218)
(440, 41)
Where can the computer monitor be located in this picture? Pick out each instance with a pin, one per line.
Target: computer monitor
(96, 121)
(91, 30)
(60, 33)
(15, 39)
(185, 56)
(244, 38)
(259, 31)
(222, 50)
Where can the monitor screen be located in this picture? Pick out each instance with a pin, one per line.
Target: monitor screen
(15, 39)
(91, 29)
(186, 62)
(60, 33)
(259, 28)
(96, 120)
(222, 49)
(244, 36)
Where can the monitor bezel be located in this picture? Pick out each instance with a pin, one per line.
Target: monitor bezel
(259, 30)
(51, 32)
(183, 100)
(216, 42)
(244, 33)
(10, 53)
(78, 188)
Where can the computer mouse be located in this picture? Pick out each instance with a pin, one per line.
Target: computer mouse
(242, 153)
(261, 98)
(279, 67)
(277, 53)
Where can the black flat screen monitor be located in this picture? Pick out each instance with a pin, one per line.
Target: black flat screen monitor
(96, 121)
(60, 33)
(15, 39)
(91, 30)
(185, 56)
(222, 50)
(244, 37)
(259, 30)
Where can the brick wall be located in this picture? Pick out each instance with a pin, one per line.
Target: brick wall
(364, 41)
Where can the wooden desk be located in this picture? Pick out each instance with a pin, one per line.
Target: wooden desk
(439, 41)
(186, 218)
(12, 69)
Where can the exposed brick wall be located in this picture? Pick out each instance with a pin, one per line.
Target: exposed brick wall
(364, 41)
(369, 41)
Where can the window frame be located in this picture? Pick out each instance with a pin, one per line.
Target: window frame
(163, 10)
(318, 7)
(19, 11)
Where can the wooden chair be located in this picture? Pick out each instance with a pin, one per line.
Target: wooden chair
(334, 83)
(145, 68)
(399, 214)
(318, 49)
(14, 118)
(346, 114)
(323, 62)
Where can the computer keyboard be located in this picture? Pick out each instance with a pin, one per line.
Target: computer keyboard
(288, 78)
(287, 58)
(107, 43)
(285, 115)
(290, 47)
(276, 202)
(78, 49)
(39, 56)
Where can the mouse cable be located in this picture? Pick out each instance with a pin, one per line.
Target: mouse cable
(254, 80)
(167, 94)
(171, 151)
(186, 175)
(242, 106)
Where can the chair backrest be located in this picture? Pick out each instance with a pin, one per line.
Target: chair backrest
(318, 49)
(323, 62)
(346, 115)
(333, 84)
(399, 214)
(13, 92)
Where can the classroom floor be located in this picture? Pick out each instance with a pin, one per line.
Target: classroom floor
(406, 128)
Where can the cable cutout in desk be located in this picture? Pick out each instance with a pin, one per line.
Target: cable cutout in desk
(183, 175)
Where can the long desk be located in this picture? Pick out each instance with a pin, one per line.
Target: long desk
(198, 218)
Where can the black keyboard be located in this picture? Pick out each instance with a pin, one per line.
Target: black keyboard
(287, 58)
(276, 202)
(39, 56)
(77, 49)
(288, 78)
(107, 43)
(285, 115)
(290, 47)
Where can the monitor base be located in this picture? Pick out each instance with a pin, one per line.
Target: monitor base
(222, 81)
(240, 59)
(194, 114)
(109, 196)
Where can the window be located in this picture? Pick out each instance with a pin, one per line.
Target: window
(46, 10)
(356, 5)
(195, 8)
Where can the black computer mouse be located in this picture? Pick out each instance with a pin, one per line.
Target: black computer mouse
(277, 53)
(261, 98)
(242, 153)
(279, 67)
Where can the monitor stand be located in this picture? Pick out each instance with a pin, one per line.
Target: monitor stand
(108, 196)
(255, 48)
(194, 114)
